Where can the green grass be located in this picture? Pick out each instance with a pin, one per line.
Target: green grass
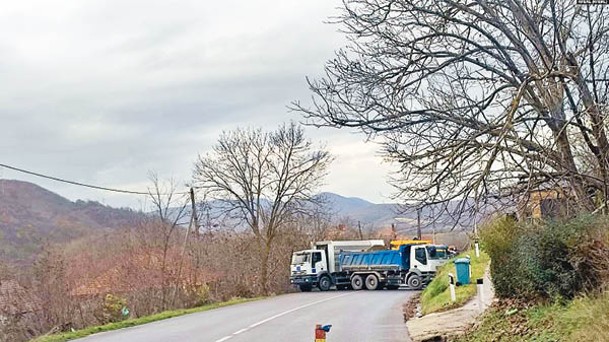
(583, 319)
(436, 296)
(66, 336)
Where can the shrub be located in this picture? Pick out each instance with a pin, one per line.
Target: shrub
(591, 256)
(499, 240)
(547, 260)
(202, 295)
(112, 309)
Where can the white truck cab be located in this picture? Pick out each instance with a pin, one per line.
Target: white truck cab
(306, 266)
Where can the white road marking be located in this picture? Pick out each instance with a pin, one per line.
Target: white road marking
(240, 331)
(281, 314)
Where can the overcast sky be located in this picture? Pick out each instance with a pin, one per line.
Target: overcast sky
(104, 91)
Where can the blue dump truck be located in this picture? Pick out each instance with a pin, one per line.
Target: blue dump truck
(324, 267)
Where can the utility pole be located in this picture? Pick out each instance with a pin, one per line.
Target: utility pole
(433, 225)
(419, 223)
(476, 216)
(193, 221)
(477, 194)
(195, 218)
(359, 228)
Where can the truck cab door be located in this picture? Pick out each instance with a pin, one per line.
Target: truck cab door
(419, 259)
(318, 263)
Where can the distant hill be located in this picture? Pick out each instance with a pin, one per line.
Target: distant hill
(371, 216)
(353, 209)
(375, 216)
(358, 209)
(31, 216)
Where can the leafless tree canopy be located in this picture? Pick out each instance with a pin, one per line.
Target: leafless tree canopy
(263, 178)
(475, 98)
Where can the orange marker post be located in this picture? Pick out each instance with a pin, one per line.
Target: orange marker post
(321, 331)
(320, 334)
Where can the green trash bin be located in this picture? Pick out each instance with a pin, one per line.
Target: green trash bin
(462, 266)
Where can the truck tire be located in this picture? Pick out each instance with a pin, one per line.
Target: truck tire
(324, 283)
(415, 282)
(357, 283)
(305, 288)
(372, 282)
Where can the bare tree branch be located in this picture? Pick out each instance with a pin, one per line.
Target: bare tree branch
(482, 98)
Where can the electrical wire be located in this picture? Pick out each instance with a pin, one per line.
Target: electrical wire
(57, 179)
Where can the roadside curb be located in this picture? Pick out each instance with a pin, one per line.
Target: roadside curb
(439, 326)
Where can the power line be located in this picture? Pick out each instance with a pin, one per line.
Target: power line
(57, 179)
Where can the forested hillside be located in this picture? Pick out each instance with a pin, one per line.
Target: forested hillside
(31, 217)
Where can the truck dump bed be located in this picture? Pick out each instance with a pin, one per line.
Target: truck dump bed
(374, 260)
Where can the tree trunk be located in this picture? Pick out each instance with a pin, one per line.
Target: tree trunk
(266, 253)
(598, 127)
(577, 183)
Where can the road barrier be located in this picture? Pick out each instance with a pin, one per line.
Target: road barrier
(321, 331)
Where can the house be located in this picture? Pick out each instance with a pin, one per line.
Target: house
(550, 203)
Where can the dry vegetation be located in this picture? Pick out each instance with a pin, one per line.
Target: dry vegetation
(89, 281)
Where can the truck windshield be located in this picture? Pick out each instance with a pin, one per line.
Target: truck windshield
(442, 252)
(437, 252)
(300, 258)
(432, 252)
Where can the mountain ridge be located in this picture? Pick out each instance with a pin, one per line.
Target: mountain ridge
(31, 216)
(361, 210)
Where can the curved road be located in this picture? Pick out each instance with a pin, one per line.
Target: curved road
(355, 316)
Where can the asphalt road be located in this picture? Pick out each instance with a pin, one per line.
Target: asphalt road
(373, 316)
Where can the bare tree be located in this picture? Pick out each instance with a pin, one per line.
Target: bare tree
(264, 179)
(479, 98)
(170, 209)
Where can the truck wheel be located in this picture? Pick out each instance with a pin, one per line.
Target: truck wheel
(414, 282)
(372, 282)
(357, 283)
(324, 283)
(305, 288)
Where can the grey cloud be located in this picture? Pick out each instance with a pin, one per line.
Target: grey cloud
(104, 91)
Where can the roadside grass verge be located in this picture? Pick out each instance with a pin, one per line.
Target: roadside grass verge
(583, 319)
(66, 336)
(436, 296)
(502, 323)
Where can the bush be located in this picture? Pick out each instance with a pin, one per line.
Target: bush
(112, 309)
(499, 239)
(591, 257)
(548, 260)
